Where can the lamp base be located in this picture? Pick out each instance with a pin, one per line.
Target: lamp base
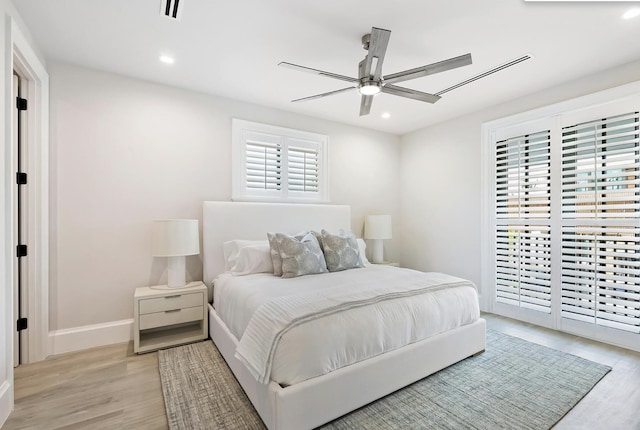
(176, 272)
(377, 251)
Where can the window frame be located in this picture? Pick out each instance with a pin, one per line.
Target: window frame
(286, 137)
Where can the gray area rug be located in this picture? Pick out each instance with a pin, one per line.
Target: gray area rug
(514, 384)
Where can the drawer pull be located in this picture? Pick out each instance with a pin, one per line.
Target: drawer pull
(172, 310)
(173, 297)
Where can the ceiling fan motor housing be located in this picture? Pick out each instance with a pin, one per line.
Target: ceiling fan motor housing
(366, 39)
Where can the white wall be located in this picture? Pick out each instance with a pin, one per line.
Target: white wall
(125, 152)
(440, 198)
(440, 179)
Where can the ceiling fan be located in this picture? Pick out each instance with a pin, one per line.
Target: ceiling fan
(370, 80)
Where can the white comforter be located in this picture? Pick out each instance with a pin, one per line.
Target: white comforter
(327, 343)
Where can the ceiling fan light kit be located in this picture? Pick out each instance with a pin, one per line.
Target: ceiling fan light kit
(370, 80)
(370, 88)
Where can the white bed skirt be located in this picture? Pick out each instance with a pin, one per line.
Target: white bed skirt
(319, 400)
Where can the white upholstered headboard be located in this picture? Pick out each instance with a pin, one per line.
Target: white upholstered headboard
(223, 221)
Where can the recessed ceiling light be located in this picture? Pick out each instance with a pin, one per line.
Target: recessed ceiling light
(386, 115)
(631, 13)
(166, 59)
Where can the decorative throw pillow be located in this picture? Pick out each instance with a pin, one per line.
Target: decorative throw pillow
(274, 245)
(300, 257)
(341, 251)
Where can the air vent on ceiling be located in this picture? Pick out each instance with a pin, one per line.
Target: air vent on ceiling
(171, 9)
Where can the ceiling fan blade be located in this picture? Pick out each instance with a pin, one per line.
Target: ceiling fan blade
(365, 105)
(409, 93)
(378, 42)
(487, 73)
(318, 72)
(430, 69)
(318, 96)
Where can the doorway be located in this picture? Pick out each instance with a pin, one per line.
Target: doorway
(20, 233)
(29, 119)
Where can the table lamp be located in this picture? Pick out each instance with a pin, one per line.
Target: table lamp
(377, 228)
(175, 238)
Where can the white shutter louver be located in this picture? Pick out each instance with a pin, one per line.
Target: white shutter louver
(601, 222)
(523, 266)
(263, 165)
(303, 165)
(523, 194)
(601, 276)
(601, 168)
(523, 183)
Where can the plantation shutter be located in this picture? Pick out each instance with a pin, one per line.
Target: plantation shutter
(523, 266)
(277, 164)
(303, 165)
(522, 212)
(601, 222)
(263, 164)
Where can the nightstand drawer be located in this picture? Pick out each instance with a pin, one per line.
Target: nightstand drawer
(170, 302)
(177, 316)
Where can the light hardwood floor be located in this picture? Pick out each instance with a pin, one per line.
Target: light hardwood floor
(101, 388)
(112, 388)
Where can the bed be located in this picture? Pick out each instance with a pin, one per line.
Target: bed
(306, 398)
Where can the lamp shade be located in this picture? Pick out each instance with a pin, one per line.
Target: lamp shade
(175, 237)
(377, 227)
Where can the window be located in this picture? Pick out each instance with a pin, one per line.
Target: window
(278, 164)
(562, 227)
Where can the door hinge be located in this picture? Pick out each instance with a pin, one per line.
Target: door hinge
(21, 324)
(21, 104)
(21, 250)
(21, 178)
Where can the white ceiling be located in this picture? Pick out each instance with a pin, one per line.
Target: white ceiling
(232, 48)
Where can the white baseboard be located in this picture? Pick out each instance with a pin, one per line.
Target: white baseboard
(6, 401)
(90, 336)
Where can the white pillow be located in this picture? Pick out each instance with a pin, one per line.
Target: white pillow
(252, 259)
(363, 247)
(233, 247)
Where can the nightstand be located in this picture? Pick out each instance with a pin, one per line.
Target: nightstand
(389, 263)
(165, 317)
